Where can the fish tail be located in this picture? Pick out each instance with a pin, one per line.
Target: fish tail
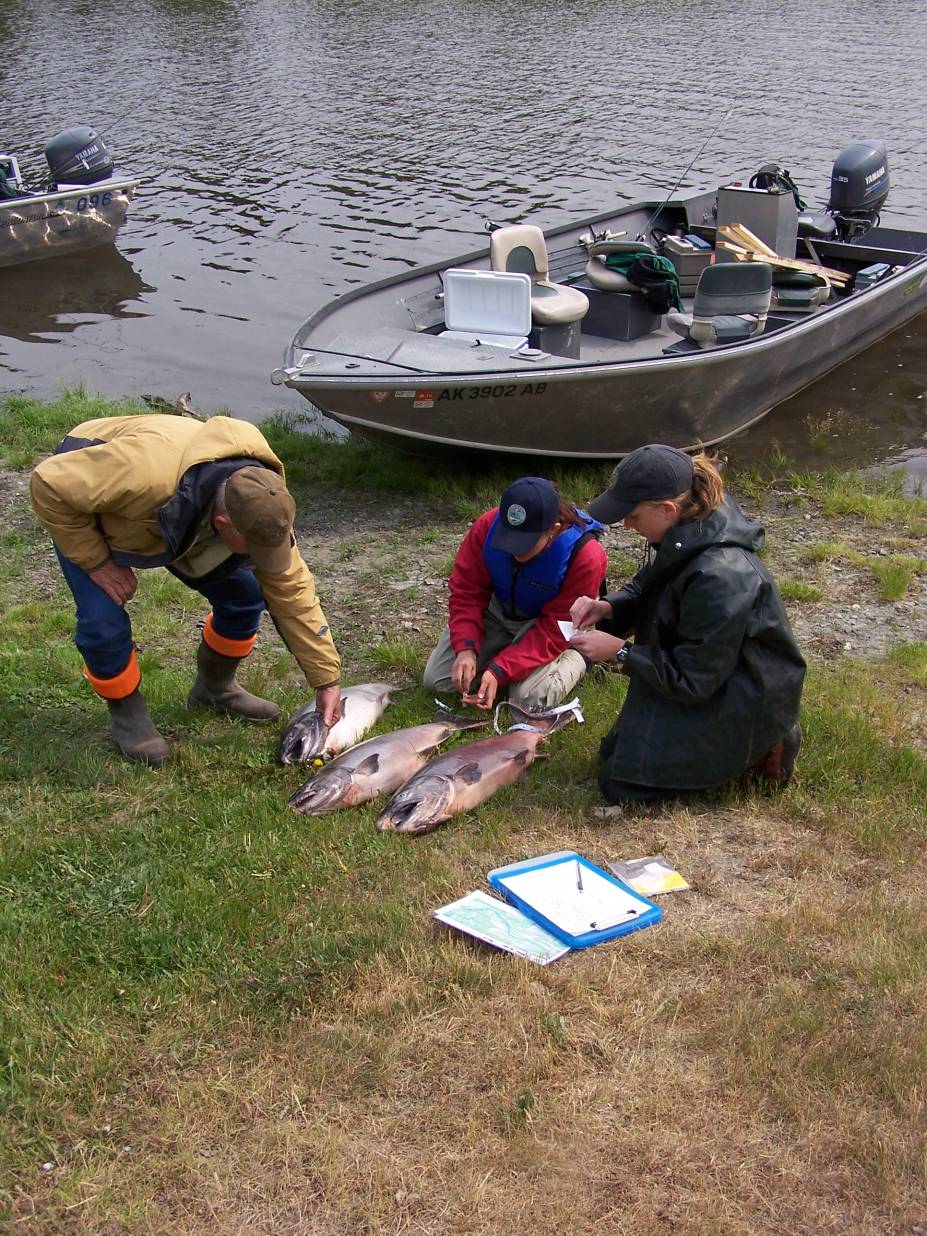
(550, 721)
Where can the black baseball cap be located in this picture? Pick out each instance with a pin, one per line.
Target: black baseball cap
(527, 509)
(649, 474)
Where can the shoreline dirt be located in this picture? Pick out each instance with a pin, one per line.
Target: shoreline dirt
(382, 567)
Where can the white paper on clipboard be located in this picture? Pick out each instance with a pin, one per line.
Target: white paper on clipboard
(574, 897)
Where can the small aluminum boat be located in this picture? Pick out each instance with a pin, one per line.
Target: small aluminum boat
(82, 205)
(773, 296)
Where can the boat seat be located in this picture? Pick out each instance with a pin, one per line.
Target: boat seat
(604, 277)
(11, 184)
(522, 249)
(731, 303)
(817, 224)
(795, 291)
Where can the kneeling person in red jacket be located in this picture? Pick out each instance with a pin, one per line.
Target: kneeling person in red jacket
(517, 573)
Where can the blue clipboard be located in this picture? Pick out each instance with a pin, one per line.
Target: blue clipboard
(555, 890)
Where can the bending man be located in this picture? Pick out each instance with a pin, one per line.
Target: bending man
(209, 502)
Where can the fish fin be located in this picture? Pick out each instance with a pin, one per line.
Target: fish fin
(471, 773)
(369, 765)
(459, 721)
(521, 757)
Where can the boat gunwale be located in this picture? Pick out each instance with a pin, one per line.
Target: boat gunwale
(762, 342)
(31, 199)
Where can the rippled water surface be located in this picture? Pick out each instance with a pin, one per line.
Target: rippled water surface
(290, 150)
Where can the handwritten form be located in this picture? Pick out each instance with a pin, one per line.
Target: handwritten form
(574, 897)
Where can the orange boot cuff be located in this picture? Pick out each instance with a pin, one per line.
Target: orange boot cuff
(121, 685)
(227, 647)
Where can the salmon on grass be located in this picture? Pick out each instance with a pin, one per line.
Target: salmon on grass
(465, 777)
(378, 766)
(307, 737)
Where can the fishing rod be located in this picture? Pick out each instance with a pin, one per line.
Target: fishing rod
(643, 233)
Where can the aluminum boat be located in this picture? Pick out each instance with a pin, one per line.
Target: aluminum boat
(80, 206)
(772, 296)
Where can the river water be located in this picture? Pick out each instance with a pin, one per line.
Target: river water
(291, 149)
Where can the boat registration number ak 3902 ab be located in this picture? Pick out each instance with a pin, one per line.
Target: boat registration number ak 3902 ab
(428, 398)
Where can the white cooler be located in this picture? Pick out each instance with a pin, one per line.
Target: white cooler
(487, 306)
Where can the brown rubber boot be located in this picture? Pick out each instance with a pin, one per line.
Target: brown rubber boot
(779, 762)
(215, 687)
(134, 732)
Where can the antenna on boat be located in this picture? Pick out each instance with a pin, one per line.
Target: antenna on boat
(643, 233)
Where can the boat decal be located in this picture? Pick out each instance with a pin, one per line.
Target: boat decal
(404, 394)
(424, 399)
(379, 396)
(502, 390)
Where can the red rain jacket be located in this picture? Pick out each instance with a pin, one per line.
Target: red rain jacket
(471, 591)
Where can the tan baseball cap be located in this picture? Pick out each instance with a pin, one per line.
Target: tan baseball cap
(262, 510)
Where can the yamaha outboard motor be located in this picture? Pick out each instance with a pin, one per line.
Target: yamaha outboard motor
(859, 185)
(78, 157)
(858, 189)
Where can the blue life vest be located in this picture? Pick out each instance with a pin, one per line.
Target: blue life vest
(524, 588)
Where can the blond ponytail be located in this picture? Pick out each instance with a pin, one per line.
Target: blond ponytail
(707, 492)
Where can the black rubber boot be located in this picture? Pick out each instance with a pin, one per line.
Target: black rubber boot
(215, 687)
(134, 732)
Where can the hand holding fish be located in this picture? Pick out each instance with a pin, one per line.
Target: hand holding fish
(328, 703)
(586, 612)
(463, 670)
(485, 696)
(596, 645)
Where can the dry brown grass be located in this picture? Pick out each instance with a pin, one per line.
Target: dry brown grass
(730, 1071)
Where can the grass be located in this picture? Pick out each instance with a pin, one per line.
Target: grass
(220, 1016)
(893, 572)
(798, 590)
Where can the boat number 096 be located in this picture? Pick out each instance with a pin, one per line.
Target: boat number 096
(92, 201)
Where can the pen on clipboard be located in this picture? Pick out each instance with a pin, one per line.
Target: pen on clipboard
(579, 876)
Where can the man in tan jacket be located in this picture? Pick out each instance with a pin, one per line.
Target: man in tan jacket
(209, 502)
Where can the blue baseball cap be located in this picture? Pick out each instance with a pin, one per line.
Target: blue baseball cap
(649, 474)
(526, 510)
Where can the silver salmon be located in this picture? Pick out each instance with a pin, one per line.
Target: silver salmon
(465, 777)
(378, 766)
(306, 737)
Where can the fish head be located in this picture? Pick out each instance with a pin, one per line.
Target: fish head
(304, 736)
(419, 807)
(324, 792)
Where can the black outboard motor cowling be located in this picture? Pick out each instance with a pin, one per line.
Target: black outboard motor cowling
(78, 157)
(859, 182)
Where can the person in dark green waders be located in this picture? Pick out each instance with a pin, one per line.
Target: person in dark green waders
(715, 675)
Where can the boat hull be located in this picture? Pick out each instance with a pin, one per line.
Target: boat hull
(605, 411)
(50, 224)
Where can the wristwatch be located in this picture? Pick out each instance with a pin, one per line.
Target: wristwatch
(623, 653)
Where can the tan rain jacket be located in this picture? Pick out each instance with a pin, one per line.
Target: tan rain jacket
(105, 499)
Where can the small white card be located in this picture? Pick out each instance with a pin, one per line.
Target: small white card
(567, 630)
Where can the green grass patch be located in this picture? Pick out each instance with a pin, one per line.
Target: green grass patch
(799, 590)
(892, 572)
